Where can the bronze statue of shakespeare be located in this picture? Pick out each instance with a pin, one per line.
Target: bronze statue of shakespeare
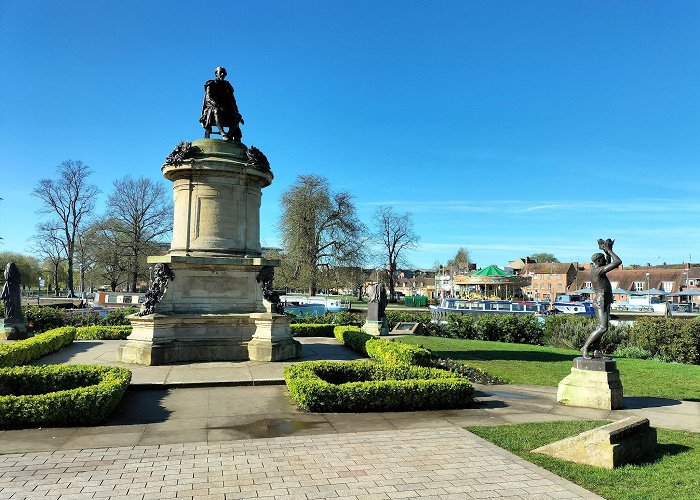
(220, 108)
(602, 264)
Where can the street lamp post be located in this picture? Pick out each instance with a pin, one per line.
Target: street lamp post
(82, 294)
(648, 274)
(38, 295)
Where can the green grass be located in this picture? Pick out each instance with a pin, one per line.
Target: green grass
(670, 472)
(537, 365)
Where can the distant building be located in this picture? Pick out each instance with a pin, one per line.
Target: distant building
(549, 279)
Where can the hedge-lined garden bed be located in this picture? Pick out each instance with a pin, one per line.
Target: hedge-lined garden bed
(103, 332)
(360, 386)
(25, 351)
(60, 395)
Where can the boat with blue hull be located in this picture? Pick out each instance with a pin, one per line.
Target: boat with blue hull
(479, 307)
(300, 305)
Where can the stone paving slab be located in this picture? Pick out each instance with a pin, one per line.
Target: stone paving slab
(441, 463)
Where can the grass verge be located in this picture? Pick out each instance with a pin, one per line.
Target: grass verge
(537, 365)
(670, 472)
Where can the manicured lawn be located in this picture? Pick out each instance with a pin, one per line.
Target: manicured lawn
(670, 472)
(536, 365)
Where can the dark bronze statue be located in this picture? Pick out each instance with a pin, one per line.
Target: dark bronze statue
(376, 302)
(220, 108)
(602, 264)
(11, 294)
(161, 275)
(265, 277)
(181, 152)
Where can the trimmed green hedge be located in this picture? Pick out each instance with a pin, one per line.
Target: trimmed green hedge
(60, 395)
(22, 352)
(670, 339)
(353, 337)
(358, 386)
(97, 332)
(311, 330)
(396, 353)
(43, 318)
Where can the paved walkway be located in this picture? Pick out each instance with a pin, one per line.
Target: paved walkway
(230, 430)
(444, 463)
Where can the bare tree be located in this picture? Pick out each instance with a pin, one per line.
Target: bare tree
(69, 199)
(461, 260)
(394, 232)
(318, 228)
(50, 247)
(145, 214)
(105, 253)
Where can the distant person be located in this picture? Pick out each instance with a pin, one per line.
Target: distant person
(602, 264)
(219, 108)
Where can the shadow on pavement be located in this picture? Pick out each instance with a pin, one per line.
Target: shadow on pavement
(140, 407)
(68, 352)
(638, 402)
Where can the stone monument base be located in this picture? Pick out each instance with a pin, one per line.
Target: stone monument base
(592, 383)
(376, 327)
(612, 445)
(13, 331)
(159, 339)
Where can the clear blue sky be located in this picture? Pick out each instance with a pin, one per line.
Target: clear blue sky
(507, 127)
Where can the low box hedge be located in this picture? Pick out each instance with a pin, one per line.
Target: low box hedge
(60, 395)
(361, 386)
(353, 337)
(311, 330)
(99, 332)
(396, 353)
(25, 351)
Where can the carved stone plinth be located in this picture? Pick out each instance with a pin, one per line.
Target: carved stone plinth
(271, 341)
(376, 327)
(210, 307)
(592, 383)
(12, 331)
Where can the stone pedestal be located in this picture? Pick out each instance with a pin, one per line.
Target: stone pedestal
(213, 308)
(12, 330)
(592, 383)
(610, 446)
(376, 327)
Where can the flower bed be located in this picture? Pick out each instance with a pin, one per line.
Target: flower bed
(59, 395)
(360, 386)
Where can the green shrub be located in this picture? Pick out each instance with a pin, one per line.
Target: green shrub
(345, 318)
(353, 337)
(632, 353)
(118, 317)
(22, 352)
(41, 319)
(311, 330)
(671, 339)
(462, 326)
(98, 332)
(518, 329)
(59, 395)
(397, 353)
(357, 386)
(570, 331)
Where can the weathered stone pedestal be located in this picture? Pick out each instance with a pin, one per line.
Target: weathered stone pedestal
(13, 330)
(610, 446)
(592, 383)
(213, 308)
(376, 327)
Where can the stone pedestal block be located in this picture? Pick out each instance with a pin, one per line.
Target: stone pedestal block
(13, 331)
(376, 327)
(272, 340)
(209, 304)
(612, 445)
(592, 383)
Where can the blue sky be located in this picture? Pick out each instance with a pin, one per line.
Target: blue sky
(506, 127)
